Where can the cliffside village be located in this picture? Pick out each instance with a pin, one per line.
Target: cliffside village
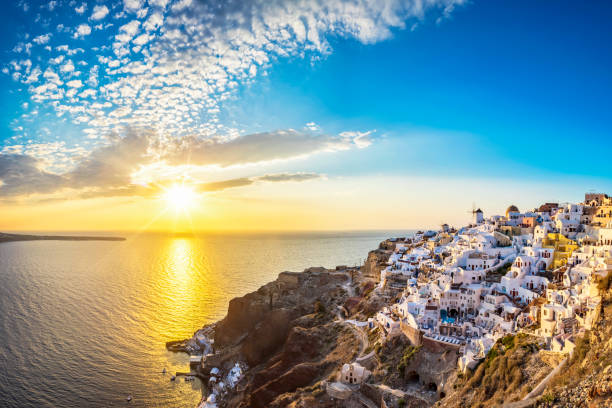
(460, 290)
(534, 271)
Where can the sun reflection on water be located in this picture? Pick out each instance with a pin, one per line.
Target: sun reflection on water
(178, 280)
(180, 258)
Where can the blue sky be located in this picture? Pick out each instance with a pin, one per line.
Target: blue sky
(504, 91)
(521, 80)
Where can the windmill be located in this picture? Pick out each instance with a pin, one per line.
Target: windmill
(477, 216)
(444, 226)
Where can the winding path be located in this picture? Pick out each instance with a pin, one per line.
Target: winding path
(361, 335)
(532, 397)
(542, 385)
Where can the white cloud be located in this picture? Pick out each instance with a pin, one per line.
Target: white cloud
(33, 76)
(82, 30)
(57, 60)
(181, 5)
(360, 139)
(154, 21)
(127, 32)
(259, 147)
(42, 39)
(67, 67)
(99, 12)
(81, 9)
(132, 6)
(75, 83)
(142, 39)
(88, 93)
(313, 126)
(52, 77)
(159, 3)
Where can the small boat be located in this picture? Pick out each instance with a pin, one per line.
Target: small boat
(173, 378)
(129, 398)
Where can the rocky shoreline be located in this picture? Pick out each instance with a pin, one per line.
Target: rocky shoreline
(287, 344)
(283, 344)
(284, 336)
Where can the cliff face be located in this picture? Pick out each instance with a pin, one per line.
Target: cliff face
(289, 334)
(376, 262)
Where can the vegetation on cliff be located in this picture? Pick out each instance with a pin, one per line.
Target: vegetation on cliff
(586, 380)
(511, 369)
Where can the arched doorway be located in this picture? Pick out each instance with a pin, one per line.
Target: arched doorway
(413, 377)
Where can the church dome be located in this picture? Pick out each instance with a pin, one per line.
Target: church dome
(512, 208)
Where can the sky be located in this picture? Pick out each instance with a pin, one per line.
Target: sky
(298, 114)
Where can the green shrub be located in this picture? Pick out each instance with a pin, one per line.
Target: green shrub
(408, 353)
(508, 341)
(548, 397)
(491, 356)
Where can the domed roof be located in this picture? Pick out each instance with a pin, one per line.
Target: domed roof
(512, 208)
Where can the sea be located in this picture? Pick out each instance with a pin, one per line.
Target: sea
(84, 323)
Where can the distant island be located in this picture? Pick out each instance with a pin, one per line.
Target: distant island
(24, 237)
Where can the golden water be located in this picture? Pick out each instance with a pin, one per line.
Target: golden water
(84, 323)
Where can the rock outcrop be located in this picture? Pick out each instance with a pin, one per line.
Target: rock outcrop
(289, 335)
(376, 262)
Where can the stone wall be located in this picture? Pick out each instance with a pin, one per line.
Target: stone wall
(414, 335)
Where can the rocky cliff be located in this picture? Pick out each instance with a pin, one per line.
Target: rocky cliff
(376, 261)
(290, 337)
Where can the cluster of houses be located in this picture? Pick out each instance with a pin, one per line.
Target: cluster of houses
(535, 271)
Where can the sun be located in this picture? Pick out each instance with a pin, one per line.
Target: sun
(180, 197)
